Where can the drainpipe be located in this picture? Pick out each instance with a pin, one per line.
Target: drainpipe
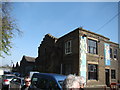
(60, 68)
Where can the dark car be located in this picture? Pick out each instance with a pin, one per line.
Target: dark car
(47, 81)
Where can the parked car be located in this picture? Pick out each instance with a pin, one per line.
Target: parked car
(31, 73)
(47, 81)
(6, 79)
(16, 83)
(16, 74)
(7, 72)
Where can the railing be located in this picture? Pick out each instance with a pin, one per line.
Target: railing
(114, 86)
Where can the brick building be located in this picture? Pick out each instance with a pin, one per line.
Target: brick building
(80, 52)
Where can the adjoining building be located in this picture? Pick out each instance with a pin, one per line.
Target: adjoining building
(16, 68)
(27, 64)
(119, 33)
(80, 52)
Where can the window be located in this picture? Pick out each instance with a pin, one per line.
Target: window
(68, 47)
(92, 72)
(52, 85)
(18, 80)
(42, 83)
(115, 53)
(47, 84)
(34, 81)
(113, 76)
(110, 52)
(92, 46)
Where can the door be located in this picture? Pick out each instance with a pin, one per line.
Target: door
(107, 80)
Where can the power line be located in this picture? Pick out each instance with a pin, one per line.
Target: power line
(108, 22)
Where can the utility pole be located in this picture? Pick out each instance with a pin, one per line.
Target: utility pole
(119, 23)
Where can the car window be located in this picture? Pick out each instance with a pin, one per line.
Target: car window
(34, 81)
(42, 83)
(14, 79)
(18, 80)
(22, 82)
(52, 85)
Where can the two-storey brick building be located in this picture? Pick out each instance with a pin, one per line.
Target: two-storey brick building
(80, 52)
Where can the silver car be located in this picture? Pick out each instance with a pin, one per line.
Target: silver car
(6, 79)
(16, 83)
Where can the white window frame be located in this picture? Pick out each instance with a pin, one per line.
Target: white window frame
(68, 46)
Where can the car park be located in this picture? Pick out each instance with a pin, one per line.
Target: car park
(6, 79)
(16, 83)
(47, 81)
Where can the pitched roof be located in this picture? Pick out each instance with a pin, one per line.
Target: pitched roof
(29, 59)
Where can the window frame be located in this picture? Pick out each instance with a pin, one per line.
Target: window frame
(92, 47)
(113, 74)
(68, 47)
(92, 72)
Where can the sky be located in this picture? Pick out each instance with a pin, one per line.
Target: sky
(36, 19)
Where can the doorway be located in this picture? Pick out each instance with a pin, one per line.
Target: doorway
(107, 80)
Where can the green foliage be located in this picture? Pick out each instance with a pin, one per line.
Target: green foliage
(8, 27)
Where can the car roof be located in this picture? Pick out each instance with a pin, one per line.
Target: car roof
(8, 75)
(57, 77)
(19, 77)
